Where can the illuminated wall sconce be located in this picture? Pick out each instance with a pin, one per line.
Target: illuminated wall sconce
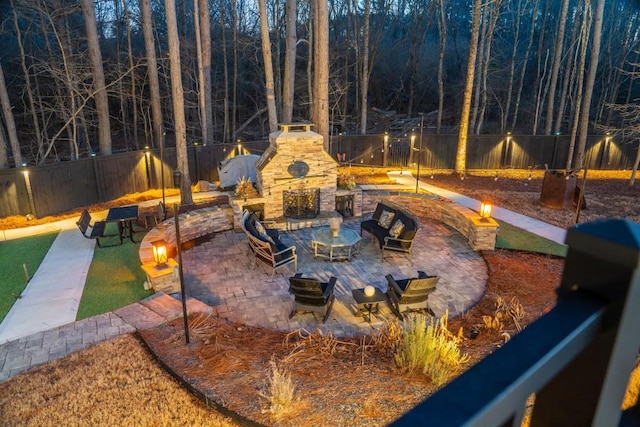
(160, 252)
(485, 210)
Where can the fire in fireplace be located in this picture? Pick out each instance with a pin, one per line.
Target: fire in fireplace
(301, 203)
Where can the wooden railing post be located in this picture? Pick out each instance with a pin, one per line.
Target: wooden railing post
(603, 260)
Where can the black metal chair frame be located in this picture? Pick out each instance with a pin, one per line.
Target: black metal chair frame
(410, 294)
(312, 295)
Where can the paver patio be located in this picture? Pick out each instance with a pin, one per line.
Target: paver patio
(219, 272)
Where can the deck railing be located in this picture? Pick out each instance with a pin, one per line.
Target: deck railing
(576, 359)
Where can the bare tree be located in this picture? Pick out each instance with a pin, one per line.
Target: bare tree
(100, 97)
(225, 75)
(591, 78)
(27, 79)
(203, 36)
(557, 57)
(321, 70)
(178, 103)
(152, 71)
(291, 41)
(268, 67)
(9, 121)
(4, 160)
(461, 152)
(442, 32)
(584, 39)
(364, 70)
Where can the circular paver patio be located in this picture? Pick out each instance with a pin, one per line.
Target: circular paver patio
(219, 272)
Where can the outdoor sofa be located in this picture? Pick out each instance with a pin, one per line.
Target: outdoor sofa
(393, 227)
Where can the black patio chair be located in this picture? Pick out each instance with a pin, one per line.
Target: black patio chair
(410, 294)
(312, 295)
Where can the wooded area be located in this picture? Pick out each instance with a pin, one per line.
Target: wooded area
(83, 77)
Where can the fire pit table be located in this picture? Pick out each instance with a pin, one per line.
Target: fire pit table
(341, 247)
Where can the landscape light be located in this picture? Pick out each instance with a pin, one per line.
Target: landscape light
(160, 252)
(485, 210)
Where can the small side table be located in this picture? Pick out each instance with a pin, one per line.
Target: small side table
(367, 304)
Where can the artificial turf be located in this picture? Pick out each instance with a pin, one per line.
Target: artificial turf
(514, 238)
(115, 279)
(27, 251)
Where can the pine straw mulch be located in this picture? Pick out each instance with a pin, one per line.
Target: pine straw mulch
(347, 382)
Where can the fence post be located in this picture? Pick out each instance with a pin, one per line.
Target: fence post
(603, 259)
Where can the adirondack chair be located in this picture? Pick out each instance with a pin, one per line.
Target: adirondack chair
(410, 294)
(312, 295)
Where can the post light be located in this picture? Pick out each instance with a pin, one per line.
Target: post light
(147, 154)
(485, 210)
(177, 178)
(160, 252)
(239, 147)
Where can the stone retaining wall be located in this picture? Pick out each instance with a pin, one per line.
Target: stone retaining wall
(199, 223)
(481, 233)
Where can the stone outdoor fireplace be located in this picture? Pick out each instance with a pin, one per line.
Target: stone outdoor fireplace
(296, 177)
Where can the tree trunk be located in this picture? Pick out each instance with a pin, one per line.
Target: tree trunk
(557, 58)
(205, 59)
(201, 99)
(100, 96)
(9, 122)
(225, 72)
(134, 98)
(588, 90)
(493, 19)
(288, 87)
(178, 103)
(461, 152)
(234, 103)
(152, 72)
(523, 70)
(27, 80)
(321, 68)
(364, 78)
(584, 40)
(568, 77)
(4, 161)
(442, 32)
(268, 67)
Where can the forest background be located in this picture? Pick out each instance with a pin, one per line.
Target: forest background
(86, 77)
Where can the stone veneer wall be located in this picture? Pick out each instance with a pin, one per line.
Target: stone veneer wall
(273, 177)
(481, 234)
(192, 225)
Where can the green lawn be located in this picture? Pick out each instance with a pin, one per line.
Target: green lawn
(114, 280)
(29, 251)
(510, 237)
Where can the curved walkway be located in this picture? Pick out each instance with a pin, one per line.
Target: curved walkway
(24, 348)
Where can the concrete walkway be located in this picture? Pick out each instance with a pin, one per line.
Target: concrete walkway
(532, 225)
(41, 325)
(52, 295)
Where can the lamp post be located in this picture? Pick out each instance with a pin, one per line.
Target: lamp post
(164, 134)
(147, 155)
(419, 154)
(176, 212)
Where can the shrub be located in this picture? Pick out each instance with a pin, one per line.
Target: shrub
(430, 347)
(279, 391)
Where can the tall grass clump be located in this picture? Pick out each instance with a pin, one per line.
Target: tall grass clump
(429, 347)
(279, 391)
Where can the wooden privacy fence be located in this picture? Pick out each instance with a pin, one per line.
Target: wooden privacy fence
(60, 187)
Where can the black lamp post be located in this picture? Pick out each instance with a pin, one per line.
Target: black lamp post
(164, 134)
(419, 153)
(183, 297)
(177, 181)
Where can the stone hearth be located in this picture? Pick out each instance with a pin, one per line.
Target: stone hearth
(295, 160)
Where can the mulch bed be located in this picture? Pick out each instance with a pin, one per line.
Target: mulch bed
(348, 382)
